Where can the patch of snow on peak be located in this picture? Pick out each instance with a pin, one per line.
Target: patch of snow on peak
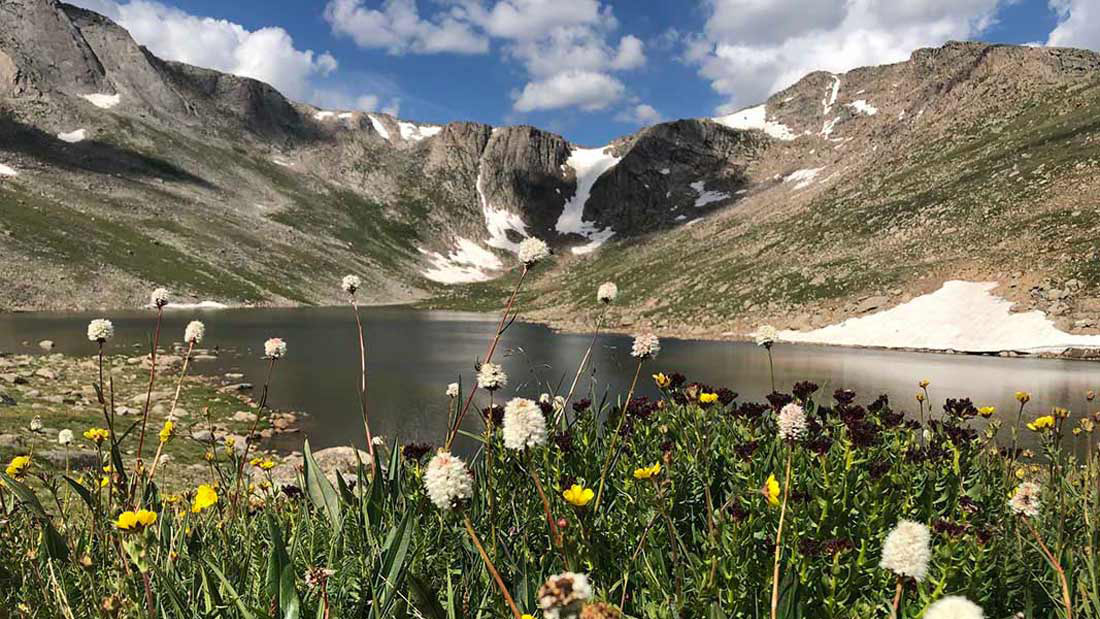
(345, 115)
(756, 118)
(706, 197)
(379, 127)
(323, 115)
(861, 105)
(962, 316)
(666, 171)
(467, 263)
(73, 137)
(285, 164)
(830, 98)
(102, 100)
(211, 305)
(409, 131)
(499, 221)
(802, 178)
(827, 128)
(588, 165)
(7, 170)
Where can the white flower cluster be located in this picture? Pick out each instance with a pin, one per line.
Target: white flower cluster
(907, 550)
(275, 348)
(766, 335)
(792, 422)
(452, 390)
(563, 595)
(1025, 501)
(351, 283)
(100, 330)
(557, 402)
(194, 332)
(447, 480)
(159, 298)
(607, 292)
(954, 607)
(646, 346)
(65, 437)
(491, 377)
(532, 250)
(524, 425)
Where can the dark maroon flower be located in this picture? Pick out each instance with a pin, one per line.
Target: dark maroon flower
(666, 446)
(676, 380)
(751, 410)
(882, 403)
(804, 389)
(725, 396)
(496, 414)
(737, 513)
(844, 396)
(779, 400)
(564, 441)
(746, 450)
(547, 408)
(415, 451)
(960, 409)
(581, 405)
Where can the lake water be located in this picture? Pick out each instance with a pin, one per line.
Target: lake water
(413, 355)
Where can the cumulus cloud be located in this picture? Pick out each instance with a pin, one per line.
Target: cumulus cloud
(752, 48)
(1078, 24)
(398, 28)
(640, 114)
(587, 90)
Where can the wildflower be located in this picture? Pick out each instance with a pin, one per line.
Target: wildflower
(524, 425)
(265, 464)
(920, 396)
(100, 330)
(1023, 397)
(166, 431)
(607, 292)
(316, 576)
(923, 384)
(708, 398)
(647, 472)
(953, 607)
(532, 250)
(646, 346)
(135, 521)
(18, 466)
(194, 332)
(159, 298)
(1059, 412)
(766, 335)
(578, 495)
(415, 451)
(205, 497)
(563, 594)
(987, 411)
(792, 422)
(1041, 423)
(447, 480)
(36, 423)
(661, 380)
(907, 550)
(104, 482)
(97, 434)
(491, 376)
(351, 283)
(770, 490)
(65, 437)
(275, 348)
(452, 390)
(1025, 500)
(600, 610)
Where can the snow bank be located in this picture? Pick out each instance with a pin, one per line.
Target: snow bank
(379, 126)
(802, 178)
(467, 263)
(706, 197)
(285, 164)
(499, 221)
(73, 137)
(962, 316)
(756, 118)
(103, 100)
(323, 115)
(345, 115)
(7, 170)
(415, 133)
(863, 107)
(588, 164)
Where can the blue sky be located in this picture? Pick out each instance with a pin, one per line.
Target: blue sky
(589, 69)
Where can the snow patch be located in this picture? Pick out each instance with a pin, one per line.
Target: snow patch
(345, 115)
(863, 107)
(467, 263)
(802, 178)
(104, 101)
(827, 128)
(194, 306)
(830, 98)
(706, 197)
(411, 132)
(7, 170)
(962, 316)
(323, 115)
(756, 118)
(379, 127)
(588, 164)
(285, 164)
(73, 137)
(666, 171)
(499, 222)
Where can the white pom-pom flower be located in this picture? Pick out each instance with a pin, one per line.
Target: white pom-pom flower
(447, 480)
(194, 332)
(646, 346)
(607, 292)
(351, 283)
(100, 330)
(524, 425)
(792, 422)
(564, 594)
(1025, 500)
(954, 607)
(766, 335)
(159, 298)
(275, 348)
(452, 390)
(65, 437)
(532, 250)
(907, 550)
(491, 377)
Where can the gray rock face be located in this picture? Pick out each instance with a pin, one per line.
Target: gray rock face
(521, 171)
(47, 50)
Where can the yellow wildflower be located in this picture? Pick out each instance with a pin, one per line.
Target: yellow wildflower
(527, 616)
(1059, 412)
(1041, 423)
(924, 383)
(205, 496)
(18, 466)
(262, 463)
(106, 481)
(987, 411)
(662, 381)
(771, 490)
(646, 472)
(920, 396)
(578, 495)
(1023, 397)
(166, 431)
(97, 434)
(208, 455)
(172, 498)
(230, 442)
(131, 521)
(708, 398)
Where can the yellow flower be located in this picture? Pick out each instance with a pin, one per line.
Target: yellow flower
(527, 616)
(920, 396)
(1059, 412)
(647, 471)
(987, 411)
(166, 431)
(97, 434)
(230, 442)
(1041, 423)
(708, 398)
(771, 490)
(146, 517)
(18, 466)
(131, 521)
(578, 495)
(205, 496)
(924, 384)
(662, 380)
(1022, 397)
(262, 463)
(172, 498)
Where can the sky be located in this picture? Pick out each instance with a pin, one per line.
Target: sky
(591, 70)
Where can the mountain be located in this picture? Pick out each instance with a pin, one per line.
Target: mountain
(841, 194)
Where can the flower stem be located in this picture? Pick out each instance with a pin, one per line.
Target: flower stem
(1066, 599)
(255, 422)
(492, 569)
(615, 437)
(363, 380)
(779, 535)
(897, 599)
(149, 390)
(555, 533)
(584, 362)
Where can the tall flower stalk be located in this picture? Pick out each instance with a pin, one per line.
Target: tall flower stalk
(779, 533)
(605, 295)
(350, 285)
(766, 336)
(158, 300)
(492, 568)
(274, 349)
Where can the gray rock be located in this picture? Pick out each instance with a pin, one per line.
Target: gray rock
(46, 344)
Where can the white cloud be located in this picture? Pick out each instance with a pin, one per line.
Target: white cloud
(584, 89)
(531, 19)
(1078, 24)
(640, 114)
(752, 48)
(398, 28)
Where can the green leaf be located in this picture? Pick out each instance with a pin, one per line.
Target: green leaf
(320, 490)
(168, 585)
(83, 492)
(288, 595)
(244, 610)
(424, 599)
(395, 551)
